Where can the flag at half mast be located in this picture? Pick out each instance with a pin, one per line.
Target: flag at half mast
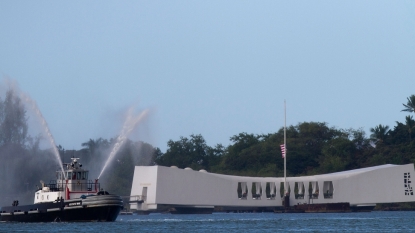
(283, 150)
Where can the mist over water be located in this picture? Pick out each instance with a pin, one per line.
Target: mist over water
(36, 157)
(130, 123)
(23, 163)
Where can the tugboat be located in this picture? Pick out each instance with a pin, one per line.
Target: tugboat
(71, 197)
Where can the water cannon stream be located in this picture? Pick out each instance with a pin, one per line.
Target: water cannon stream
(45, 127)
(130, 124)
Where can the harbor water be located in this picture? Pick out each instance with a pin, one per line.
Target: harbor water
(382, 221)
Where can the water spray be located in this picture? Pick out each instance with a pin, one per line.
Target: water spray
(45, 128)
(130, 123)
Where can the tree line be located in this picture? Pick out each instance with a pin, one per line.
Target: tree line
(312, 148)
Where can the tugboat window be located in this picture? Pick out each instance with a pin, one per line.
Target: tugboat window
(69, 175)
(78, 177)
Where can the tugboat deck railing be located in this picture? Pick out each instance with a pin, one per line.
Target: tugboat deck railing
(79, 186)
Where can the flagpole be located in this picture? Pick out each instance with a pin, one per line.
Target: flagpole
(285, 148)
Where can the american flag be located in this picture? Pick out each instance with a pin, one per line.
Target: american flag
(283, 150)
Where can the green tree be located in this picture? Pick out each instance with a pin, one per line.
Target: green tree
(399, 134)
(186, 152)
(379, 133)
(410, 124)
(13, 120)
(234, 159)
(305, 144)
(214, 157)
(337, 155)
(143, 153)
(92, 145)
(359, 138)
(410, 105)
(362, 147)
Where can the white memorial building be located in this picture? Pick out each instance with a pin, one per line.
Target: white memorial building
(156, 187)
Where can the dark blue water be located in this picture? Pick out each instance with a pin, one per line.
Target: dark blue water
(242, 222)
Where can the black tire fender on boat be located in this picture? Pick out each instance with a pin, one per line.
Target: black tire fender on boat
(103, 200)
(102, 197)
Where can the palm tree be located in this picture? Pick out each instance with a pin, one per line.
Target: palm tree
(410, 106)
(379, 133)
(90, 146)
(410, 124)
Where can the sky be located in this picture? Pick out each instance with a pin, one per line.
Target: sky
(215, 68)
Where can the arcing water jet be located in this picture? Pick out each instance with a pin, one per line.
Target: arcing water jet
(45, 127)
(130, 123)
